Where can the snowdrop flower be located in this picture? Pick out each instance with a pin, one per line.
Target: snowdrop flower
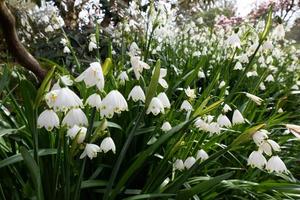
(66, 80)
(92, 46)
(238, 66)
(48, 119)
(222, 84)
(223, 120)
(138, 66)
(161, 80)
(256, 159)
(49, 28)
(267, 45)
(190, 93)
(294, 129)
(243, 58)
(91, 151)
(75, 117)
(262, 86)
(155, 107)
(166, 127)
(237, 118)
(178, 165)
(123, 77)
(189, 162)
(77, 130)
(201, 74)
(94, 101)
(202, 155)
(114, 102)
(92, 76)
(66, 50)
(267, 146)
(279, 32)
(214, 128)
(108, 144)
(164, 99)
(226, 108)
(254, 98)
(51, 97)
(137, 94)
(63, 99)
(276, 164)
(270, 78)
(259, 136)
(233, 41)
(186, 106)
(201, 124)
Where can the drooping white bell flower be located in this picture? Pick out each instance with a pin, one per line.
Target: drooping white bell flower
(155, 107)
(123, 77)
(254, 98)
(256, 159)
(233, 41)
(48, 119)
(189, 162)
(238, 66)
(166, 127)
(201, 124)
(161, 80)
(178, 165)
(275, 164)
(237, 118)
(92, 46)
(186, 106)
(108, 144)
(113, 102)
(51, 97)
(222, 84)
(270, 78)
(260, 136)
(214, 127)
(164, 99)
(279, 32)
(91, 151)
(75, 117)
(202, 155)
(67, 50)
(92, 76)
(223, 120)
(77, 130)
(243, 58)
(226, 108)
(190, 92)
(66, 80)
(63, 99)
(267, 145)
(94, 101)
(294, 129)
(138, 66)
(137, 94)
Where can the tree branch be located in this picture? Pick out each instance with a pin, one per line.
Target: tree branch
(8, 25)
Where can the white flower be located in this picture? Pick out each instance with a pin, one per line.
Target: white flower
(270, 78)
(92, 46)
(49, 28)
(114, 102)
(66, 80)
(237, 118)
(201, 124)
(108, 144)
(262, 86)
(48, 119)
(92, 76)
(166, 127)
(178, 165)
(161, 80)
(214, 128)
(267, 145)
(267, 45)
(279, 32)
(51, 97)
(91, 151)
(276, 164)
(190, 93)
(256, 159)
(155, 107)
(137, 94)
(164, 99)
(186, 106)
(202, 155)
(295, 129)
(222, 84)
(75, 117)
(189, 162)
(201, 74)
(238, 66)
(94, 101)
(243, 58)
(123, 77)
(66, 49)
(138, 66)
(254, 98)
(226, 108)
(234, 41)
(77, 130)
(223, 120)
(259, 136)
(63, 99)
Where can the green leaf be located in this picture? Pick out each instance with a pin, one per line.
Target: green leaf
(107, 65)
(149, 196)
(45, 86)
(4, 79)
(153, 84)
(202, 187)
(201, 111)
(246, 135)
(34, 171)
(268, 25)
(93, 183)
(18, 157)
(9, 131)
